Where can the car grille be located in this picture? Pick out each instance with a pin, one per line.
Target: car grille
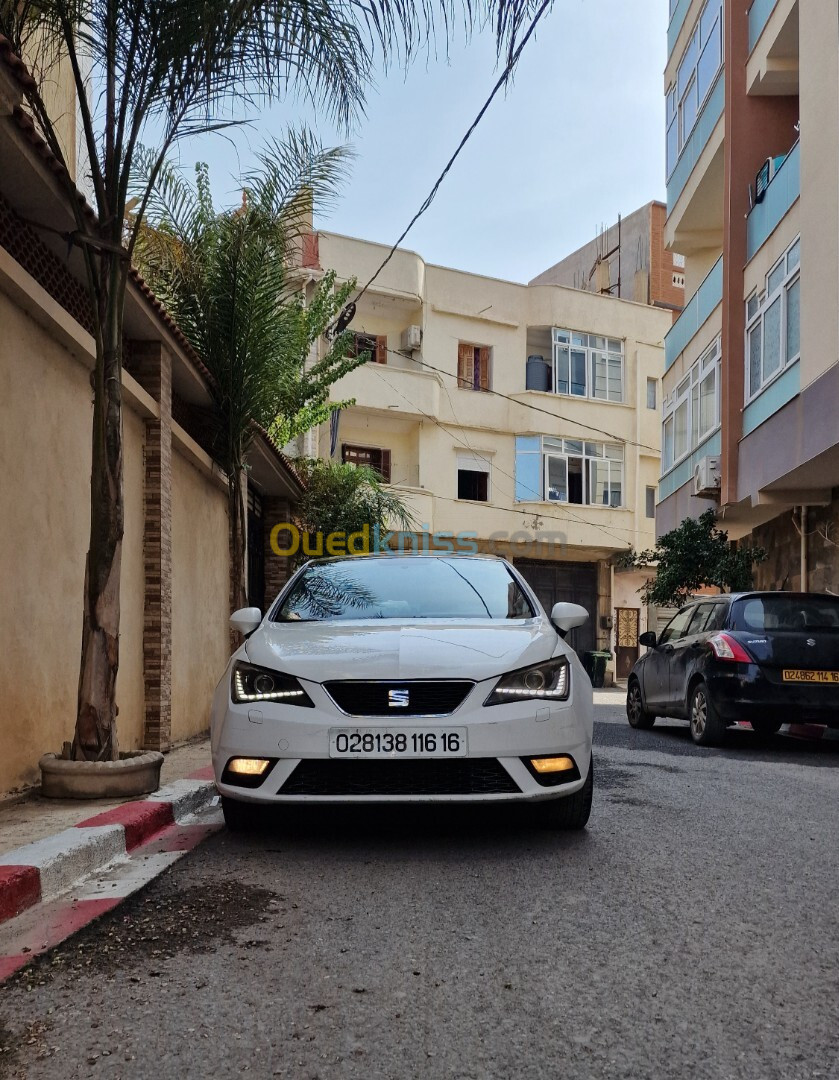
(425, 698)
(465, 776)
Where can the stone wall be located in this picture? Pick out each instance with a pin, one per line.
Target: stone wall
(781, 538)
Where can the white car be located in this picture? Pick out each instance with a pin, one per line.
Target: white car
(405, 678)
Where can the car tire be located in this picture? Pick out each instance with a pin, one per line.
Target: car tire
(764, 728)
(573, 811)
(636, 714)
(238, 816)
(706, 726)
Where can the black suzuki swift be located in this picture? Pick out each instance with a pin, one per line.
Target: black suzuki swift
(767, 657)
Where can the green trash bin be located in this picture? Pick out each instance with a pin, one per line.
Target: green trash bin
(598, 668)
(587, 660)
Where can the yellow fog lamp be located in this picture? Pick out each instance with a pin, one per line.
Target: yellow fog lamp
(553, 764)
(249, 766)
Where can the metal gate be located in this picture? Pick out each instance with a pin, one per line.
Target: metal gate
(626, 640)
(575, 583)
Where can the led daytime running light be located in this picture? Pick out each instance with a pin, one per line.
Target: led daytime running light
(272, 695)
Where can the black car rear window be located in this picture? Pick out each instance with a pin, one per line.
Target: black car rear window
(785, 612)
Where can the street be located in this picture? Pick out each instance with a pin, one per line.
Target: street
(689, 932)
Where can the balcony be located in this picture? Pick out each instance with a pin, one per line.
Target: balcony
(712, 110)
(676, 23)
(782, 192)
(393, 391)
(700, 306)
(773, 65)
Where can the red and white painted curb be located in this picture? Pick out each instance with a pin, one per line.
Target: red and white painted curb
(50, 889)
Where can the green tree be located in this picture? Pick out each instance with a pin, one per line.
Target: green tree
(347, 498)
(181, 69)
(227, 279)
(693, 555)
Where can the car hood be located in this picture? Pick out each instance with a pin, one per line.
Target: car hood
(395, 650)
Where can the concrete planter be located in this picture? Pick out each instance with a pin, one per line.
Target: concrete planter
(136, 773)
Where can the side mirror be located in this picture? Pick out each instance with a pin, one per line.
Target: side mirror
(246, 620)
(648, 639)
(566, 617)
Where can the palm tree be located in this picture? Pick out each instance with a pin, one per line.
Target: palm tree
(225, 278)
(185, 67)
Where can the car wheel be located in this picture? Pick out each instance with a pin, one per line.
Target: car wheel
(636, 714)
(706, 727)
(766, 727)
(238, 816)
(573, 811)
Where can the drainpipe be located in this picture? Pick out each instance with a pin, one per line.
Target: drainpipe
(805, 570)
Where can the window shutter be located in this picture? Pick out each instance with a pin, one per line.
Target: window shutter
(466, 366)
(484, 362)
(386, 466)
(381, 349)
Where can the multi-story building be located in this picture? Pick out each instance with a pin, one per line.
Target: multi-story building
(751, 387)
(627, 260)
(523, 419)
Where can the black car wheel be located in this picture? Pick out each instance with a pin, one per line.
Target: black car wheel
(706, 727)
(636, 714)
(239, 816)
(573, 811)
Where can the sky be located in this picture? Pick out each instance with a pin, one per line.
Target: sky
(577, 139)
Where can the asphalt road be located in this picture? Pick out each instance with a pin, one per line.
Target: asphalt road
(690, 932)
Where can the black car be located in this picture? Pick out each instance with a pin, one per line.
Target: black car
(767, 657)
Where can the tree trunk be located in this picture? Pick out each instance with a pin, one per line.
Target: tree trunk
(96, 735)
(236, 513)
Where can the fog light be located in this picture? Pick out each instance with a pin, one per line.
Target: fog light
(552, 764)
(248, 766)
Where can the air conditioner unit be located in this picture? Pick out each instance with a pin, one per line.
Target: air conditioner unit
(411, 338)
(706, 476)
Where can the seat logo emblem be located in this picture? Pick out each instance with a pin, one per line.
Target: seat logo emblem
(397, 699)
(811, 641)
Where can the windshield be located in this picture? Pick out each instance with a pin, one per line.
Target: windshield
(785, 612)
(393, 587)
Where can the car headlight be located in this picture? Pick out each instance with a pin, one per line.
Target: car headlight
(550, 681)
(251, 683)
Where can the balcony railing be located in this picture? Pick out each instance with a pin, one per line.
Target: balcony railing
(783, 190)
(698, 308)
(711, 112)
(759, 14)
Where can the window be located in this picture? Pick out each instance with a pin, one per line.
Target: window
(679, 261)
(472, 476)
(472, 367)
(692, 411)
(650, 502)
(677, 626)
(652, 387)
(773, 323)
(569, 470)
(587, 365)
(375, 346)
(371, 456)
(697, 73)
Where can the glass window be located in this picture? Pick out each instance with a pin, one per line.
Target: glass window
(573, 446)
(794, 320)
(396, 587)
(562, 370)
(667, 444)
(700, 618)
(772, 339)
(677, 626)
(557, 479)
(680, 438)
(754, 360)
(793, 256)
(650, 502)
(578, 373)
(591, 367)
(708, 403)
(687, 66)
(780, 612)
(716, 620)
(691, 412)
(696, 75)
(651, 393)
(598, 483)
(572, 471)
(776, 276)
(690, 107)
(599, 376)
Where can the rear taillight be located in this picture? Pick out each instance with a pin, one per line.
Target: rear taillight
(727, 648)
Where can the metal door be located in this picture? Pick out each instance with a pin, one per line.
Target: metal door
(575, 583)
(626, 640)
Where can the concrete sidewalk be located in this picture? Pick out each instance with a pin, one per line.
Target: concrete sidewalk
(25, 820)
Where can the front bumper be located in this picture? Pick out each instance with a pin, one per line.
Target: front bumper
(498, 738)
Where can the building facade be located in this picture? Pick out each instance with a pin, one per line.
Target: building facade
(751, 386)
(520, 420)
(627, 260)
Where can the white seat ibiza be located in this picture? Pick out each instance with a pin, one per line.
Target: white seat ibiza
(405, 678)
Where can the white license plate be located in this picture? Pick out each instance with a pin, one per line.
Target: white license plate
(397, 743)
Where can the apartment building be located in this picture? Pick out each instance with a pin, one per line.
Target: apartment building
(627, 259)
(522, 420)
(751, 386)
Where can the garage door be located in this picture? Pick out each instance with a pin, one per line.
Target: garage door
(575, 583)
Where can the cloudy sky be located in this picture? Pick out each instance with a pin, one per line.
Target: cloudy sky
(578, 139)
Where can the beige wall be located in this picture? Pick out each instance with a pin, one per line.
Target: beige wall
(199, 595)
